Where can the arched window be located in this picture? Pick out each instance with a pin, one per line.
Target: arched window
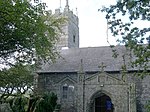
(65, 91)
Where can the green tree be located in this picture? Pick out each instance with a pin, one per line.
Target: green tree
(18, 104)
(27, 33)
(43, 103)
(148, 106)
(122, 19)
(47, 104)
(15, 81)
(34, 103)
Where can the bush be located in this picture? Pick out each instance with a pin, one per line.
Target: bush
(44, 103)
(47, 103)
(19, 104)
(148, 106)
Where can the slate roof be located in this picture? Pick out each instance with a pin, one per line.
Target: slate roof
(70, 60)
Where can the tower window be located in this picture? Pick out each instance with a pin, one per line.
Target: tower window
(74, 38)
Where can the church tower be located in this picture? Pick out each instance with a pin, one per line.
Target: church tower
(70, 36)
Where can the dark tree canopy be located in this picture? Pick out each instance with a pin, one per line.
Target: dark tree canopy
(27, 31)
(122, 20)
(18, 80)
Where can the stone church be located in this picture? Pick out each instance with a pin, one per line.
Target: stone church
(91, 79)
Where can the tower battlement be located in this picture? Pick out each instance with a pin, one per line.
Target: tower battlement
(67, 14)
(70, 36)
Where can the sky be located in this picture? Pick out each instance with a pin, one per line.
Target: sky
(92, 23)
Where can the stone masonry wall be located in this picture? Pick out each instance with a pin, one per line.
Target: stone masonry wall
(142, 91)
(118, 94)
(54, 83)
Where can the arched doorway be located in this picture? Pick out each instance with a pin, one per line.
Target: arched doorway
(103, 103)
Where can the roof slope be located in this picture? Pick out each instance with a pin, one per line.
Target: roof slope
(70, 60)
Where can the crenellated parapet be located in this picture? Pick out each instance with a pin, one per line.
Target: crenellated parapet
(70, 29)
(66, 13)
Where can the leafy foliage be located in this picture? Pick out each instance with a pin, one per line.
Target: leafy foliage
(148, 106)
(122, 20)
(19, 103)
(15, 81)
(48, 103)
(27, 31)
(43, 103)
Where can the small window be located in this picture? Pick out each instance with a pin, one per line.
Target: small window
(65, 88)
(65, 91)
(74, 38)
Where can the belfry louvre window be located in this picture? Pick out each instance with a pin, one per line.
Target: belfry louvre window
(74, 38)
